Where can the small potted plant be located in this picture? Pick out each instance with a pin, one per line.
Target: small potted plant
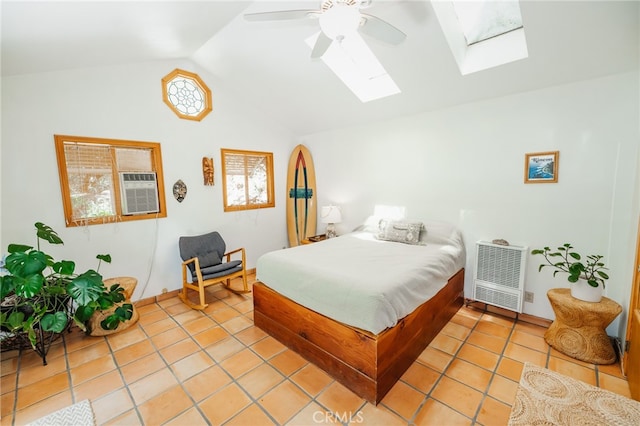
(587, 277)
(41, 297)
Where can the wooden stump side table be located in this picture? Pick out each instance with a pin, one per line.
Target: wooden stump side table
(579, 327)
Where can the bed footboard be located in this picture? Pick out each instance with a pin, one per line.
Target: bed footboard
(369, 365)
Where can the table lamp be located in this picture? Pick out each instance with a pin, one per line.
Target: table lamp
(331, 215)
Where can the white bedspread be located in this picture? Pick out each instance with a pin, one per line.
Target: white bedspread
(363, 282)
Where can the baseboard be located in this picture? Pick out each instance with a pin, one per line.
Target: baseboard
(484, 307)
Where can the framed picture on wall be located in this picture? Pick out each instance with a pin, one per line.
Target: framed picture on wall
(541, 167)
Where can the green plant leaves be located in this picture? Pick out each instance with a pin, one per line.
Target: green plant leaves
(64, 267)
(55, 322)
(23, 264)
(86, 287)
(47, 233)
(30, 286)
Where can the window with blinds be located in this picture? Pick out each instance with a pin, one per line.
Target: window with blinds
(247, 179)
(88, 169)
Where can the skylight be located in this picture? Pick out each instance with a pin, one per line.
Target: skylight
(482, 33)
(484, 19)
(358, 68)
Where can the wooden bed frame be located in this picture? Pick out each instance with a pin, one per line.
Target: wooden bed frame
(367, 364)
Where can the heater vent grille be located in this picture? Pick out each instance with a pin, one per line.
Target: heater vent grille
(499, 275)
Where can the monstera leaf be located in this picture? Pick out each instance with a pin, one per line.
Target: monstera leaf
(55, 322)
(22, 264)
(86, 288)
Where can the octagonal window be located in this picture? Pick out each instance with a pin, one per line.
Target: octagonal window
(186, 94)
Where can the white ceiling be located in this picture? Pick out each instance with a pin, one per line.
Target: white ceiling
(267, 63)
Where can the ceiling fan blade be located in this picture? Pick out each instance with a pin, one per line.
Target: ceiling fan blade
(322, 44)
(282, 15)
(381, 30)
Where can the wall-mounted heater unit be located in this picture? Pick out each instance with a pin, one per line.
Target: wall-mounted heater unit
(139, 192)
(499, 275)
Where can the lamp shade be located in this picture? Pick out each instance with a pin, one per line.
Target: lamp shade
(330, 214)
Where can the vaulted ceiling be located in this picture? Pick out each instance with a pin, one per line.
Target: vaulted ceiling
(268, 63)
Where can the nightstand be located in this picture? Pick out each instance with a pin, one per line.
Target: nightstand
(314, 239)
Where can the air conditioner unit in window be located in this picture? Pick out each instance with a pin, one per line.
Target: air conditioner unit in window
(499, 275)
(139, 193)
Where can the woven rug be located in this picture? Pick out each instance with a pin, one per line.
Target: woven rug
(79, 414)
(545, 397)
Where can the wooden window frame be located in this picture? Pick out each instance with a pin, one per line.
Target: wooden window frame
(270, 186)
(156, 160)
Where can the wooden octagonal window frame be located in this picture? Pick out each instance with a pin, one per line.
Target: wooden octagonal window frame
(186, 94)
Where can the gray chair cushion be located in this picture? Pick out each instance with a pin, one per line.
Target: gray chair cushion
(209, 249)
(219, 270)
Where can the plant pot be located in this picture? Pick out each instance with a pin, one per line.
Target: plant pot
(129, 284)
(583, 291)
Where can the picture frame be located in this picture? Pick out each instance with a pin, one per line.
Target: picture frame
(541, 167)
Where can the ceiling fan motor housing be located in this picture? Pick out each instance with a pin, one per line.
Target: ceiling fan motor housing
(339, 18)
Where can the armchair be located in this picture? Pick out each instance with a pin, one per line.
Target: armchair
(205, 262)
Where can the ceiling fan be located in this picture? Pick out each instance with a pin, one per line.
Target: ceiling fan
(338, 19)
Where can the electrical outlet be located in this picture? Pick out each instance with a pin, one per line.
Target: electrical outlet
(528, 296)
(164, 290)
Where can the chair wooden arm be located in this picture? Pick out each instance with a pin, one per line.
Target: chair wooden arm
(229, 253)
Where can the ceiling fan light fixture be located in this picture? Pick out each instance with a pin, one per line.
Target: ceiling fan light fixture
(340, 20)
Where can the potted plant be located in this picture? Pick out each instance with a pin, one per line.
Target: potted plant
(40, 296)
(587, 277)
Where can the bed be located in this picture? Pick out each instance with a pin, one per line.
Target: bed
(363, 306)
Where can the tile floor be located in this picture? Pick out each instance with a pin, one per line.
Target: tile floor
(184, 367)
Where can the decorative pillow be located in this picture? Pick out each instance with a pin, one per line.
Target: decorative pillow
(400, 231)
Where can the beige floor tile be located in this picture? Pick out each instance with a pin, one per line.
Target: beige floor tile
(285, 391)
(250, 335)
(225, 404)
(492, 329)
(191, 417)
(612, 370)
(503, 389)
(200, 324)
(420, 377)
(260, 380)
(528, 328)
(403, 400)
(287, 362)
(136, 370)
(372, 415)
(435, 413)
(211, 336)
(339, 399)
(458, 331)
(98, 387)
(39, 372)
(127, 337)
(493, 412)
(524, 354)
(42, 390)
(153, 317)
(268, 347)
(225, 348)
(128, 418)
(43, 407)
(446, 343)
(481, 357)
(91, 369)
(207, 383)
(152, 385)
(469, 374)
(97, 350)
(112, 406)
(488, 342)
(458, 396)
(169, 337)
(435, 359)
(530, 341)
(252, 415)
(192, 365)
(165, 406)
(510, 368)
(614, 384)
(240, 363)
(179, 350)
(133, 352)
(571, 369)
(160, 326)
(311, 379)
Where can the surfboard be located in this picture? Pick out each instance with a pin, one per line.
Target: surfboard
(301, 196)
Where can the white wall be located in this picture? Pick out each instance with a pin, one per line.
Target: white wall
(126, 103)
(466, 165)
